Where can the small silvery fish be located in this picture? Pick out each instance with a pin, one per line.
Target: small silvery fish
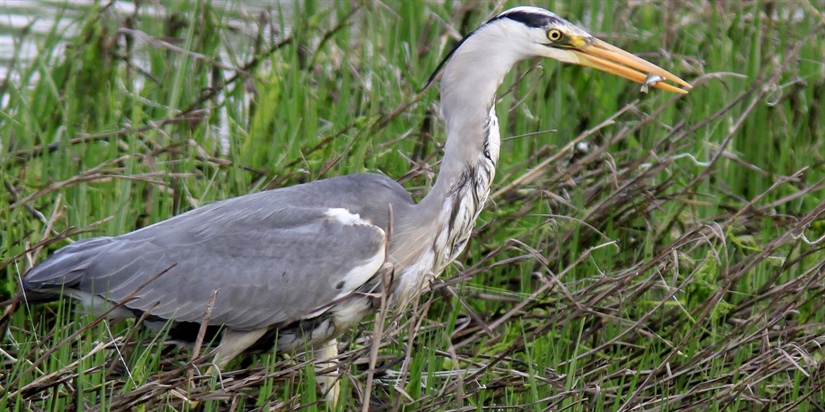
(651, 80)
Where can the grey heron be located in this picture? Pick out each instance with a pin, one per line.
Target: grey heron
(298, 266)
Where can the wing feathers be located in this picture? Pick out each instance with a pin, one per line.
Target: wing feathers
(273, 256)
(267, 271)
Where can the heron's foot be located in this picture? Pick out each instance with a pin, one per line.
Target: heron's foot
(212, 370)
(329, 383)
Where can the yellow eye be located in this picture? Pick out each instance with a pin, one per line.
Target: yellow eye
(554, 35)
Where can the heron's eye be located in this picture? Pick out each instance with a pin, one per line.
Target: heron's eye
(554, 35)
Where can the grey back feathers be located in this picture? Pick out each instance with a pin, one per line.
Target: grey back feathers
(271, 255)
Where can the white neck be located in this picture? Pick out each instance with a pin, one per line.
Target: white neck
(468, 103)
(443, 221)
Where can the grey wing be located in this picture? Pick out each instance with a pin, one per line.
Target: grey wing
(269, 265)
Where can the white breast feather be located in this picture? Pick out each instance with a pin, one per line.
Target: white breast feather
(415, 278)
(345, 217)
(494, 138)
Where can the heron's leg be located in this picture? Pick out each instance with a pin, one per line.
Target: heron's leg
(329, 383)
(233, 343)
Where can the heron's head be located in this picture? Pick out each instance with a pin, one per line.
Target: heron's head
(530, 32)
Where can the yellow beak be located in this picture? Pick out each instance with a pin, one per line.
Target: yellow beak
(603, 56)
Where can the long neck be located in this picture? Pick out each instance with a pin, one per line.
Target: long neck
(468, 106)
(468, 90)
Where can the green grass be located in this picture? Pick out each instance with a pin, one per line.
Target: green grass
(675, 264)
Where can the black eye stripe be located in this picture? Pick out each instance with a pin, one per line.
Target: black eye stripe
(529, 19)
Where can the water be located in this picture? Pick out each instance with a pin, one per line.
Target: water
(26, 24)
(40, 17)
